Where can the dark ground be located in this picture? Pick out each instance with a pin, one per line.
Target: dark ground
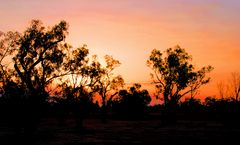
(185, 132)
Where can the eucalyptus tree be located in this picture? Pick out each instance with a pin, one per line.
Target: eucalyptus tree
(40, 56)
(174, 75)
(108, 84)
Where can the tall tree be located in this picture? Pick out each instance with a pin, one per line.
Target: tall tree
(174, 75)
(77, 87)
(108, 84)
(40, 56)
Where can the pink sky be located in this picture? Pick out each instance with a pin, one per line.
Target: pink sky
(130, 29)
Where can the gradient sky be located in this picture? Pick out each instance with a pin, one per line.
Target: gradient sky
(129, 29)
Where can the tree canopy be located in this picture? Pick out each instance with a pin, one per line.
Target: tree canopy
(135, 99)
(174, 75)
(40, 55)
(108, 84)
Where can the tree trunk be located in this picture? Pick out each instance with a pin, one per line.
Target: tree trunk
(104, 110)
(169, 113)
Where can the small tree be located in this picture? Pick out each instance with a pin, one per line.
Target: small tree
(134, 100)
(235, 85)
(223, 89)
(174, 75)
(232, 89)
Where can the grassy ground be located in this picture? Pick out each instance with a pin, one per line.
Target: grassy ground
(50, 132)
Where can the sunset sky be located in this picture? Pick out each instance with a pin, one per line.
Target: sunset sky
(129, 29)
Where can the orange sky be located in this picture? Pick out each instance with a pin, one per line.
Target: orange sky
(130, 29)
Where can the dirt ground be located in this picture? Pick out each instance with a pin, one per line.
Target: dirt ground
(150, 132)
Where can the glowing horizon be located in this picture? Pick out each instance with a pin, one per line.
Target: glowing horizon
(129, 29)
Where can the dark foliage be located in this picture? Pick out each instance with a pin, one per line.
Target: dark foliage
(132, 103)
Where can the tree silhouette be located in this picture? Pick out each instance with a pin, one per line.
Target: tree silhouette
(77, 87)
(230, 89)
(12, 92)
(174, 75)
(222, 89)
(235, 85)
(39, 57)
(7, 47)
(134, 101)
(107, 84)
